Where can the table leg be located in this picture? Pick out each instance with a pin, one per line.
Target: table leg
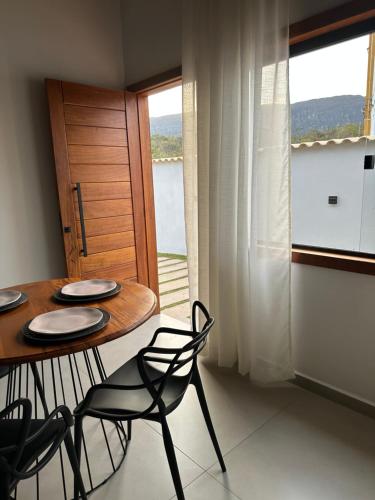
(66, 380)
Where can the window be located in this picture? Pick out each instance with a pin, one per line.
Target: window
(333, 147)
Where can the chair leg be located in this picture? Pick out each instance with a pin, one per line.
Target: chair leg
(202, 401)
(169, 448)
(4, 489)
(75, 465)
(129, 430)
(78, 447)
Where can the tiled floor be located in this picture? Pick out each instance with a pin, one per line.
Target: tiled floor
(174, 287)
(279, 443)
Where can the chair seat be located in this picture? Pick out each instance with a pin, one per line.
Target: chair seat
(127, 402)
(9, 432)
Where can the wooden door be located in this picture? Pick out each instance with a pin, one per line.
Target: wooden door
(103, 185)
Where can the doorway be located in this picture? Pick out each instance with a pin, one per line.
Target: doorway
(165, 114)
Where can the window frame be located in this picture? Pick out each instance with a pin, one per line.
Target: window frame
(333, 26)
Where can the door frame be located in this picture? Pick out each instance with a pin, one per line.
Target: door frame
(143, 90)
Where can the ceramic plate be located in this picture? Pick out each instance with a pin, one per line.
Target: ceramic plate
(88, 288)
(8, 297)
(64, 321)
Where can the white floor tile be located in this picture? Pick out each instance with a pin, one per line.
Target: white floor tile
(145, 474)
(206, 488)
(237, 408)
(314, 449)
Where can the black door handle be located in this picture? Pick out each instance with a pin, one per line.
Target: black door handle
(81, 218)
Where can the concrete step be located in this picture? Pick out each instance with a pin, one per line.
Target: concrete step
(172, 285)
(173, 297)
(181, 312)
(168, 263)
(174, 267)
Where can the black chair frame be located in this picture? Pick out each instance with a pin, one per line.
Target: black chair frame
(10, 468)
(176, 360)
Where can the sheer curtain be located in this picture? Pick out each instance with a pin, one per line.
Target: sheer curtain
(236, 175)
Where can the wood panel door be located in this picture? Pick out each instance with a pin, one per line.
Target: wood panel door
(103, 185)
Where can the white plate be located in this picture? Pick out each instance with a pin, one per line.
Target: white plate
(88, 288)
(8, 297)
(69, 320)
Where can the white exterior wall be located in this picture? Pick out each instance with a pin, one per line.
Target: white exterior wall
(169, 206)
(334, 169)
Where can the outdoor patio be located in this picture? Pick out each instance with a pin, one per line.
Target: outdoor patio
(174, 286)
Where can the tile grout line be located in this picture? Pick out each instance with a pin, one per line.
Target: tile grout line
(279, 412)
(189, 483)
(175, 446)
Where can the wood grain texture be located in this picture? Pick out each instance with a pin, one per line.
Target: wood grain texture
(101, 136)
(107, 259)
(105, 242)
(129, 309)
(157, 83)
(148, 186)
(94, 117)
(95, 136)
(109, 225)
(97, 154)
(105, 190)
(137, 187)
(107, 208)
(330, 20)
(54, 92)
(125, 271)
(99, 173)
(331, 260)
(85, 95)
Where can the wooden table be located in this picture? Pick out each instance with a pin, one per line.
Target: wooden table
(130, 308)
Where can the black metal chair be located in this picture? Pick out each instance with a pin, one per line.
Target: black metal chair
(25, 441)
(150, 386)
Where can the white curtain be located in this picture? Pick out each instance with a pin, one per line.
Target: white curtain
(236, 175)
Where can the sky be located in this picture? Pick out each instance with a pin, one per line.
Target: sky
(337, 70)
(168, 102)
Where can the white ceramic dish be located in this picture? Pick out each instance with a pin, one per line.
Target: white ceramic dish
(88, 288)
(64, 321)
(8, 297)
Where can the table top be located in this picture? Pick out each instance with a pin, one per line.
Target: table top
(130, 308)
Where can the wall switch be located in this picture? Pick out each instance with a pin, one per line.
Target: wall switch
(369, 163)
(332, 200)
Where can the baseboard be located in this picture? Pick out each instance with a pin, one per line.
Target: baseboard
(334, 395)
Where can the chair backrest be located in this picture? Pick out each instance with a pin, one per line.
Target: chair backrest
(12, 461)
(175, 358)
(11, 454)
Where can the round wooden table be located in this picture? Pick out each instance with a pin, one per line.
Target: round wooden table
(60, 370)
(130, 308)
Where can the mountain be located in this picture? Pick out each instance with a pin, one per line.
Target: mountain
(326, 113)
(168, 125)
(317, 114)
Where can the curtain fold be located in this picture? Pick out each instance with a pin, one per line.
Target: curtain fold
(236, 175)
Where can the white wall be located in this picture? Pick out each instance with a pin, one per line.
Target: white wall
(65, 39)
(152, 33)
(169, 207)
(333, 325)
(152, 37)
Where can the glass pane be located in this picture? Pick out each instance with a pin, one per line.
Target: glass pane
(332, 194)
